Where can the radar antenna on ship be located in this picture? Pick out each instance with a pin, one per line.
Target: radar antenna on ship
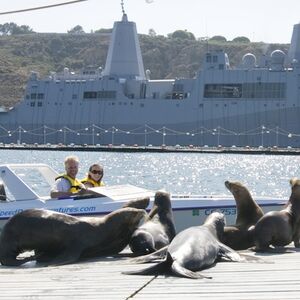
(123, 9)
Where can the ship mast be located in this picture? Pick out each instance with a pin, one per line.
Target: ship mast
(122, 6)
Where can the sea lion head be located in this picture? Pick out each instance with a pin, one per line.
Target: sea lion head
(238, 190)
(295, 186)
(216, 220)
(162, 203)
(294, 182)
(162, 200)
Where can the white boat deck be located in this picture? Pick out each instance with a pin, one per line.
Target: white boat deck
(102, 279)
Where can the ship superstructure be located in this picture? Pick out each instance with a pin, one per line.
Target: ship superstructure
(256, 104)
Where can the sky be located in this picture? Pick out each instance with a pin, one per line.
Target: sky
(268, 21)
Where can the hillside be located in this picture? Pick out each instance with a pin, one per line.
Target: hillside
(165, 57)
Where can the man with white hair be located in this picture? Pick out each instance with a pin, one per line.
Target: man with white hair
(67, 184)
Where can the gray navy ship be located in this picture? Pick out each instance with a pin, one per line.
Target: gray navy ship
(256, 104)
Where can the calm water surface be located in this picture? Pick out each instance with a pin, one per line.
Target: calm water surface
(180, 173)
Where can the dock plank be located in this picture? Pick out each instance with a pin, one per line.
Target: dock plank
(103, 278)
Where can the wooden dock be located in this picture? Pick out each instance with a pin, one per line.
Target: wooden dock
(102, 279)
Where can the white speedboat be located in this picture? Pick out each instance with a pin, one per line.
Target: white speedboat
(28, 186)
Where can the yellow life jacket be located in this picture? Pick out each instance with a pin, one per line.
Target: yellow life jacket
(75, 184)
(93, 182)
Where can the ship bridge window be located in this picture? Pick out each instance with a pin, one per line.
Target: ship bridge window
(33, 96)
(100, 95)
(106, 94)
(90, 95)
(266, 90)
(178, 95)
(223, 91)
(269, 90)
(40, 96)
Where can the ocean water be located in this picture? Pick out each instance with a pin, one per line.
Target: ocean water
(178, 173)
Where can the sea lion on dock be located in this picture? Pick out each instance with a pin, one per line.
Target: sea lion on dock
(58, 238)
(247, 214)
(158, 231)
(192, 250)
(280, 228)
(141, 203)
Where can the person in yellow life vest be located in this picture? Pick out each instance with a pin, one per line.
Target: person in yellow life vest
(94, 177)
(67, 184)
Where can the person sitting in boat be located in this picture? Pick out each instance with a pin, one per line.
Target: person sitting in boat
(67, 184)
(94, 176)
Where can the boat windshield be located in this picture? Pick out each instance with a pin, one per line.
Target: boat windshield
(28, 181)
(35, 180)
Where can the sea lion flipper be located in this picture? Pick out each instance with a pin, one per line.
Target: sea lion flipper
(253, 259)
(228, 254)
(183, 272)
(153, 270)
(157, 255)
(14, 262)
(68, 256)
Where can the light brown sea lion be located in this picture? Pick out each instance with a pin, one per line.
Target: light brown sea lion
(248, 213)
(280, 228)
(158, 231)
(58, 238)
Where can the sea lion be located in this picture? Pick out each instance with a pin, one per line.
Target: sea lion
(158, 231)
(248, 213)
(141, 203)
(280, 228)
(191, 250)
(58, 238)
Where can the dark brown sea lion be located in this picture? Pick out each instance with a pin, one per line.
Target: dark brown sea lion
(58, 238)
(141, 203)
(247, 214)
(280, 228)
(192, 250)
(158, 231)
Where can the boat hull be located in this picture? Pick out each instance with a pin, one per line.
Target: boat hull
(193, 213)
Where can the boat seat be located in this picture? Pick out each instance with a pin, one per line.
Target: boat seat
(2, 192)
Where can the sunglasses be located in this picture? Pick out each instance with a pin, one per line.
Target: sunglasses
(96, 172)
